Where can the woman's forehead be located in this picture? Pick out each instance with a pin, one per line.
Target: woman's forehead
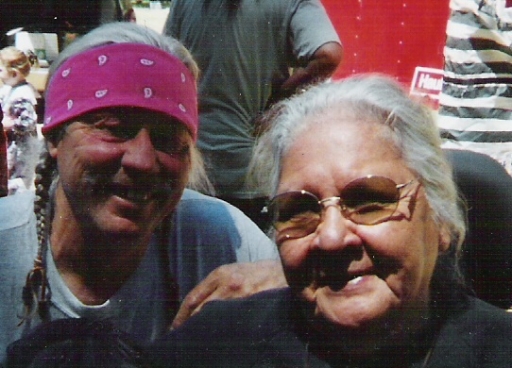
(342, 145)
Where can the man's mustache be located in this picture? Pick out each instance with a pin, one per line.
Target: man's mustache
(104, 184)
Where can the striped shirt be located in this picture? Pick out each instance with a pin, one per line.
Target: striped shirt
(476, 99)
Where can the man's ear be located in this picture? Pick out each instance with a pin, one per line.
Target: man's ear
(52, 149)
(444, 239)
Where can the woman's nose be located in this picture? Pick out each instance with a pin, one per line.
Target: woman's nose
(335, 232)
(140, 154)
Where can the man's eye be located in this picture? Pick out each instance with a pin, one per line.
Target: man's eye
(113, 128)
(180, 150)
(171, 146)
(121, 132)
(169, 141)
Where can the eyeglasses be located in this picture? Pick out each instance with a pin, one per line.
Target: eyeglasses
(369, 200)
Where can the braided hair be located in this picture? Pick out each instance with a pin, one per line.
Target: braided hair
(36, 292)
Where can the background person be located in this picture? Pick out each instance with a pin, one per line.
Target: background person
(4, 173)
(245, 49)
(18, 99)
(121, 151)
(369, 228)
(475, 107)
(129, 15)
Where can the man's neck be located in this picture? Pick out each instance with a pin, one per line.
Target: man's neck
(92, 264)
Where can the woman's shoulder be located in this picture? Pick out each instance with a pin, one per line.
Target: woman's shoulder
(481, 317)
(478, 336)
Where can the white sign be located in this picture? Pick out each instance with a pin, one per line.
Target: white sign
(427, 82)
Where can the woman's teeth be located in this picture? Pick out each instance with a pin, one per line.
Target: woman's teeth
(355, 281)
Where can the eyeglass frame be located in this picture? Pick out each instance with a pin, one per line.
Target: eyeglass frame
(339, 202)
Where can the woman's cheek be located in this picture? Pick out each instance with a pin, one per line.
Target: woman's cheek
(293, 253)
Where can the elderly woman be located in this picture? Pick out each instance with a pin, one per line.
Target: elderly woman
(368, 224)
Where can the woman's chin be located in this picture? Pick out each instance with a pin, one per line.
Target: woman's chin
(356, 305)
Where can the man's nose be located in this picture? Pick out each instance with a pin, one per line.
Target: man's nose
(335, 232)
(139, 153)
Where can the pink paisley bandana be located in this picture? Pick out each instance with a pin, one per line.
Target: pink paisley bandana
(121, 74)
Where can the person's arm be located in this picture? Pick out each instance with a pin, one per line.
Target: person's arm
(219, 235)
(231, 281)
(317, 50)
(321, 66)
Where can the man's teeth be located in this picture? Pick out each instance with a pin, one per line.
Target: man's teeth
(136, 195)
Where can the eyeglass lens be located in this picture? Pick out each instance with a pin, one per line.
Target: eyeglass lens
(368, 201)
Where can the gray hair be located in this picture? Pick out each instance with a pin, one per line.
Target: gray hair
(126, 32)
(375, 99)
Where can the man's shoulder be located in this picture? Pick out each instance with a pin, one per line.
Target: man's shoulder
(16, 210)
(213, 221)
(18, 249)
(191, 200)
(213, 215)
(191, 195)
(202, 211)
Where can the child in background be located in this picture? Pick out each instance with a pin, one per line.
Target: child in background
(3, 161)
(18, 100)
(129, 15)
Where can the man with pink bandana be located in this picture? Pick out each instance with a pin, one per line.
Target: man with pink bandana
(121, 241)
